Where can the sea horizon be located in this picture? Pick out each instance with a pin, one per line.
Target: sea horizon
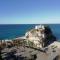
(10, 31)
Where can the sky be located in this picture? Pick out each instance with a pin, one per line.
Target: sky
(29, 11)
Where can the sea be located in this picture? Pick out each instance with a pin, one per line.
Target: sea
(10, 31)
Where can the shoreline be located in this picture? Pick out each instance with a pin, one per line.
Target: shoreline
(11, 38)
(6, 42)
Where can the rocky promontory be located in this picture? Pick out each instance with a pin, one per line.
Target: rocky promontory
(38, 43)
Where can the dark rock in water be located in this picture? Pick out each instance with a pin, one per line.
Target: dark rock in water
(49, 37)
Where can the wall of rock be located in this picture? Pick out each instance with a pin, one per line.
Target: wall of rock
(49, 37)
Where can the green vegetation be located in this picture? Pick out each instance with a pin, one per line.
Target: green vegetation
(23, 43)
(54, 46)
(31, 44)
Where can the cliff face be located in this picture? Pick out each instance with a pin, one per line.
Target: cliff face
(49, 37)
(41, 36)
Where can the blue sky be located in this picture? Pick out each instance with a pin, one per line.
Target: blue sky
(29, 11)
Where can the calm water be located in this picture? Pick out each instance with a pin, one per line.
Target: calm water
(12, 31)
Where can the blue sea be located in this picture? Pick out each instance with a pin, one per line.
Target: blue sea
(10, 31)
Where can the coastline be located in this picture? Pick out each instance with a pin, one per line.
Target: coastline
(17, 30)
(37, 44)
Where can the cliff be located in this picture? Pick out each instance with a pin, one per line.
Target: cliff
(41, 36)
(49, 37)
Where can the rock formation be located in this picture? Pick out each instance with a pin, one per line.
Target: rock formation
(49, 37)
(40, 36)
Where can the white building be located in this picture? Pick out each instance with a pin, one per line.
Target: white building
(39, 27)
